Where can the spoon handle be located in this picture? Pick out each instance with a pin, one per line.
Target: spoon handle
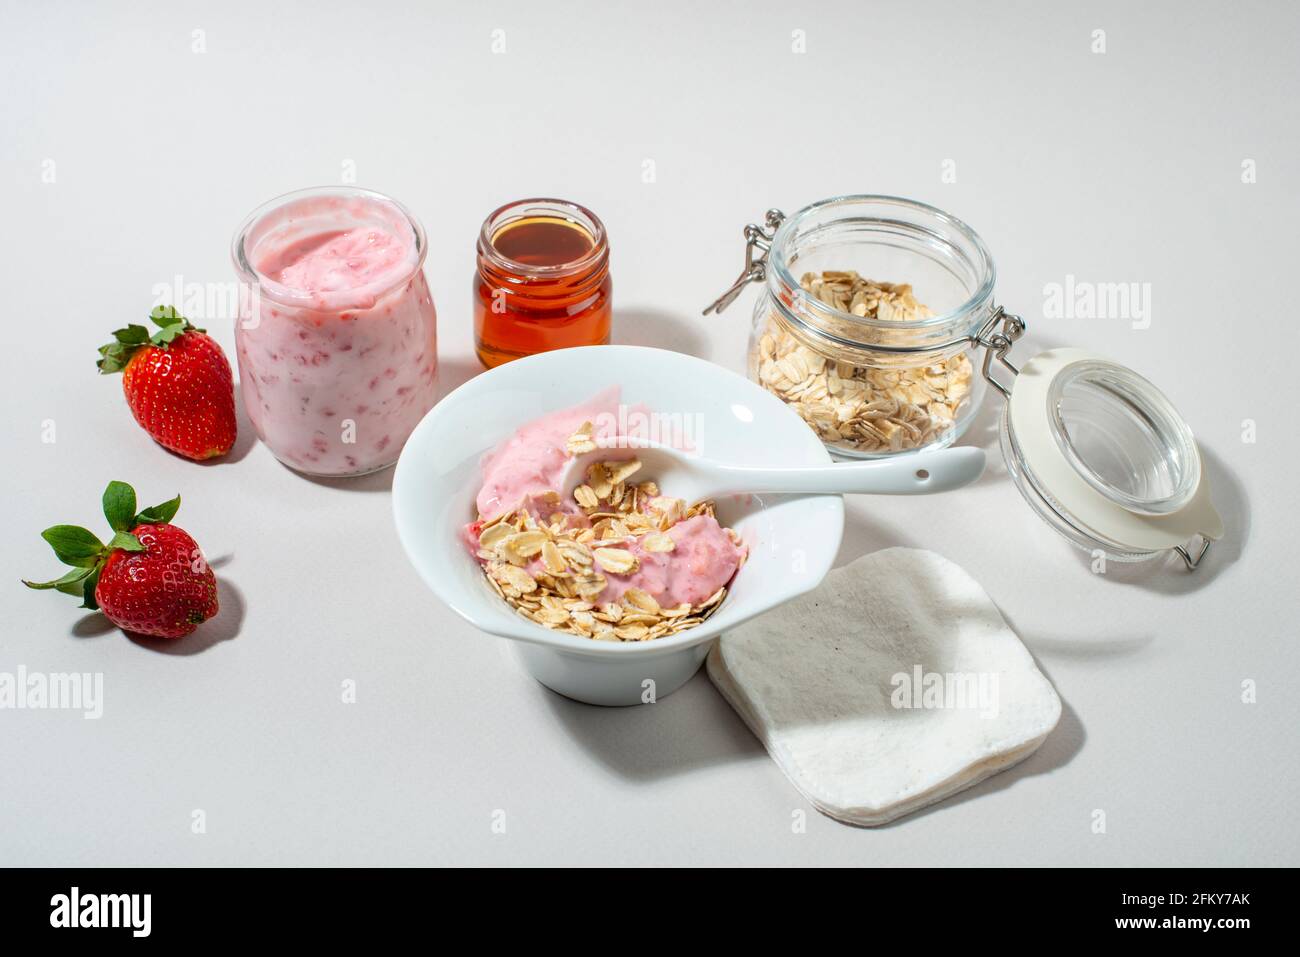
(921, 474)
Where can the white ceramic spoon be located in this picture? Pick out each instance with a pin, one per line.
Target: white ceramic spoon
(689, 476)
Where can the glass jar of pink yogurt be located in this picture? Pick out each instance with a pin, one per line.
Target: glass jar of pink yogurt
(336, 338)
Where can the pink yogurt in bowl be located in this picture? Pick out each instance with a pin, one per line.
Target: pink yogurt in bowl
(336, 339)
(530, 463)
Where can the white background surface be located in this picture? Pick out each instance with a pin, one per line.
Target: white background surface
(1116, 167)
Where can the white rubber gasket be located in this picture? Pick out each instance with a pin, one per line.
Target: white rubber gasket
(1031, 415)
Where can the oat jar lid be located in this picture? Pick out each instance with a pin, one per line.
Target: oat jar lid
(1096, 450)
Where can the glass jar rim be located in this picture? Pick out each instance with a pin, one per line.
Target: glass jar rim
(290, 295)
(1180, 454)
(969, 313)
(1057, 517)
(575, 212)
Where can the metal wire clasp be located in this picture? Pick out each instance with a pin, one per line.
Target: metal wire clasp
(997, 343)
(756, 238)
(1185, 553)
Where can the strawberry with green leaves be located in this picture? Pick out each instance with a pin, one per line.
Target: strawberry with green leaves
(149, 579)
(177, 382)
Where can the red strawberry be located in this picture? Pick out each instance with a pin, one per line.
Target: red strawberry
(177, 383)
(150, 578)
(167, 590)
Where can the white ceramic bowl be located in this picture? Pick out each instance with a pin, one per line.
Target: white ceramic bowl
(792, 540)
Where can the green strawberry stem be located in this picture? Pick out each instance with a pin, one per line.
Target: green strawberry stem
(114, 356)
(80, 548)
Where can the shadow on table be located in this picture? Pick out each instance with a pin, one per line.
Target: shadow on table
(454, 373)
(1082, 649)
(224, 627)
(639, 326)
(695, 728)
(690, 729)
(863, 537)
(380, 481)
(1168, 575)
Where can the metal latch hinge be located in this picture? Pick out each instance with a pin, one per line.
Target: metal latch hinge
(758, 243)
(997, 343)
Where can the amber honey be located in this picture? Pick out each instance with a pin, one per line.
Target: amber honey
(542, 282)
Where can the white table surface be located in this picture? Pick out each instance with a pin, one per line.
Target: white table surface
(1123, 166)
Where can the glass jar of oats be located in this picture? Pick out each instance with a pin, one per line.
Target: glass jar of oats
(872, 309)
(873, 312)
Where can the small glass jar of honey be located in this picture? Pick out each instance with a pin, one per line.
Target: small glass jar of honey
(542, 281)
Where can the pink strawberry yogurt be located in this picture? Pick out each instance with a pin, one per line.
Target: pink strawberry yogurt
(703, 560)
(531, 461)
(522, 469)
(336, 339)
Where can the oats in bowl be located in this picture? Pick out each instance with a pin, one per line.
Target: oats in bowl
(617, 560)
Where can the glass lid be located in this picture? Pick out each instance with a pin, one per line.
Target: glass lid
(1124, 437)
(1104, 457)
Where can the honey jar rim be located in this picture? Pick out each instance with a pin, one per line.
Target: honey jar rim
(549, 207)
